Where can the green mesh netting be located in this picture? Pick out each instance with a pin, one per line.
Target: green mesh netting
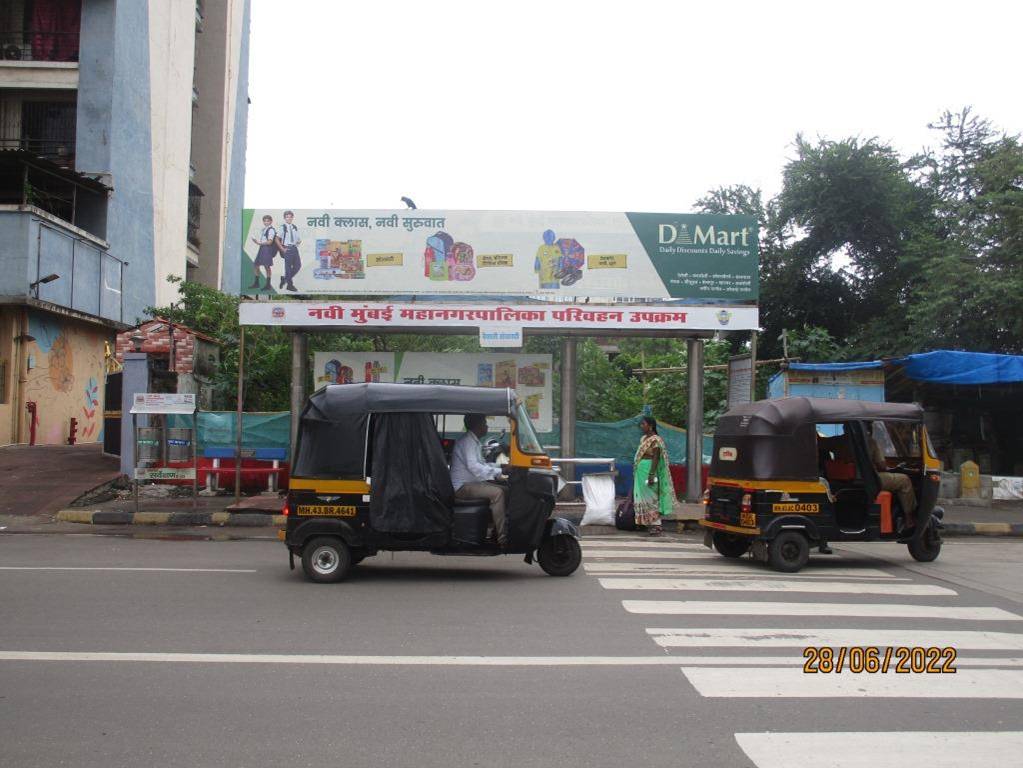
(617, 440)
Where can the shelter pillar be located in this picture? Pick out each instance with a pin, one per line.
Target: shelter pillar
(694, 425)
(299, 377)
(568, 396)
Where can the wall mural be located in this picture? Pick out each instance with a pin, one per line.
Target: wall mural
(89, 409)
(65, 376)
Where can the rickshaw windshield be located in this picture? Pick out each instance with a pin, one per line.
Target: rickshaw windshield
(524, 432)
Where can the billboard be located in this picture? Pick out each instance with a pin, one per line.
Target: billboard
(528, 375)
(503, 253)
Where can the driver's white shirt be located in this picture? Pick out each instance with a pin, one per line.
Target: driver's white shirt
(467, 465)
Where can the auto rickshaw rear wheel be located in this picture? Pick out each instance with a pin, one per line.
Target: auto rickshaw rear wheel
(326, 559)
(788, 551)
(730, 545)
(559, 555)
(928, 547)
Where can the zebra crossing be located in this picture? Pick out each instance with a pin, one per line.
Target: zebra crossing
(733, 645)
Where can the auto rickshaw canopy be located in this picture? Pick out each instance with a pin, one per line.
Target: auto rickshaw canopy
(785, 415)
(386, 432)
(341, 400)
(336, 440)
(777, 439)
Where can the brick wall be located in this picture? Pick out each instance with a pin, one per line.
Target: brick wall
(157, 342)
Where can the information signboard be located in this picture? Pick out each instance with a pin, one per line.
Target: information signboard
(164, 473)
(740, 380)
(163, 402)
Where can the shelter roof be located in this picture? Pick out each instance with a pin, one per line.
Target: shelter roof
(180, 327)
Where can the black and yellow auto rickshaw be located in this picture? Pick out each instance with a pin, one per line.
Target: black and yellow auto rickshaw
(371, 474)
(797, 472)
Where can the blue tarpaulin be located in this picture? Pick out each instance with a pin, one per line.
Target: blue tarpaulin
(949, 367)
(940, 367)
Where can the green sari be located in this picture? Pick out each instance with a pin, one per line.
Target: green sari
(651, 501)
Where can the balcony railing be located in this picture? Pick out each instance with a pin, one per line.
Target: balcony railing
(39, 45)
(60, 152)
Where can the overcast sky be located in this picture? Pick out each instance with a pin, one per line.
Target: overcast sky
(624, 106)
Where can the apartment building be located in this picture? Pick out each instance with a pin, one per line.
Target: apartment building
(122, 150)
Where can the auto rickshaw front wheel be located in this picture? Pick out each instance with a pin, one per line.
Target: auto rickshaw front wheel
(559, 555)
(730, 545)
(788, 551)
(927, 548)
(326, 559)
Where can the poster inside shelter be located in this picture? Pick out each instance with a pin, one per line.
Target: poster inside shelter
(508, 253)
(529, 375)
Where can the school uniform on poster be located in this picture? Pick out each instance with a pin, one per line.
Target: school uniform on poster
(267, 248)
(290, 239)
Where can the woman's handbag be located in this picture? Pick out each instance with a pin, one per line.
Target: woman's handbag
(625, 515)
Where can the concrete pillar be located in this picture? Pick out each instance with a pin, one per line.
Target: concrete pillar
(694, 426)
(568, 396)
(299, 376)
(134, 378)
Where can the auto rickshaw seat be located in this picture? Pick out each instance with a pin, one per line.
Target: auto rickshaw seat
(470, 520)
(462, 503)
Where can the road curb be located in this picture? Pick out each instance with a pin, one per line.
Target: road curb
(981, 529)
(123, 517)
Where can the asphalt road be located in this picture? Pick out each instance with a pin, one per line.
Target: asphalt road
(659, 654)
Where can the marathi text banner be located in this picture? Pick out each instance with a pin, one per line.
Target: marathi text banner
(472, 316)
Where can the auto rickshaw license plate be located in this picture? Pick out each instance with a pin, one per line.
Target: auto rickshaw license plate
(748, 519)
(325, 510)
(796, 508)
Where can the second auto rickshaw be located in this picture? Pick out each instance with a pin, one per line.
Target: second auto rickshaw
(794, 472)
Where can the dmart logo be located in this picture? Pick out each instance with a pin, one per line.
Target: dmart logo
(680, 234)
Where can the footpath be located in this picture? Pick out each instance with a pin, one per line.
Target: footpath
(69, 489)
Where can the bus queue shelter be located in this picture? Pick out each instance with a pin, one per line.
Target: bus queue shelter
(505, 275)
(511, 323)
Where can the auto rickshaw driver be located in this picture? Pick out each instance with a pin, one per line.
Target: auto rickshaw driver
(895, 482)
(472, 477)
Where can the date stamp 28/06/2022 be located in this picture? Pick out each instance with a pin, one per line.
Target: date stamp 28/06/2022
(874, 659)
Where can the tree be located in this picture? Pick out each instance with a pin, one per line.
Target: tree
(968, 297)
(861, 222)
(267, 349)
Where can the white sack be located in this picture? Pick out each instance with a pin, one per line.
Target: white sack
(599, 495)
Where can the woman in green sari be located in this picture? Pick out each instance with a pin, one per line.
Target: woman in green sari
(653, 495)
